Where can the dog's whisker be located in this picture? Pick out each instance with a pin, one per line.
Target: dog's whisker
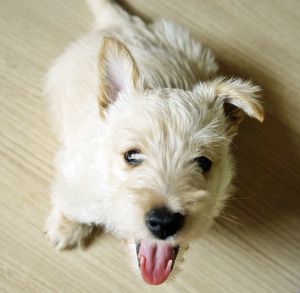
(229, 215)
(231, 220)
(233, 198)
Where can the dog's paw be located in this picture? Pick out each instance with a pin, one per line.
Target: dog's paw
(64, 233)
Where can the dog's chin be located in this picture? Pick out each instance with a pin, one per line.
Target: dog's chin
(156, 260)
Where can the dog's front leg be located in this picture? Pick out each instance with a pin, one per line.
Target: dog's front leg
(63, 232)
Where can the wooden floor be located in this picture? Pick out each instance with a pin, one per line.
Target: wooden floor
(255, 247)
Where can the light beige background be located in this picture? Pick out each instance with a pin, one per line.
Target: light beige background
(254, 248)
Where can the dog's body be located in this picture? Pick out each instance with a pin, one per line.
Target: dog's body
(145, 144)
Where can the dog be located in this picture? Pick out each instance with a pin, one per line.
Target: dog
(145, 127)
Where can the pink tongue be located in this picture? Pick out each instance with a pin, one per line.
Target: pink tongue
(156, 259)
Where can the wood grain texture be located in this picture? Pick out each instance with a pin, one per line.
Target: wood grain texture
(255, 245)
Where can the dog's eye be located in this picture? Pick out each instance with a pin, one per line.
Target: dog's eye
(133, 157)
(203, 163)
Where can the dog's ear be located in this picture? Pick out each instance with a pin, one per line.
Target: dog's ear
(238, 97)
(117, 72)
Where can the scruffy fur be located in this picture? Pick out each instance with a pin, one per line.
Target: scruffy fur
(130, 85)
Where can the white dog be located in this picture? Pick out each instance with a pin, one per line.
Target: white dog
(145, 130)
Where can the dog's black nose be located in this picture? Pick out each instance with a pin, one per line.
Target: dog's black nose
(163, 223)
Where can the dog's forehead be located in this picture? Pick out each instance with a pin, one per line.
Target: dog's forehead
(166, 116)
(169, 105)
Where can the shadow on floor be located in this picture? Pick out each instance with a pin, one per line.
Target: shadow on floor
(268, 164)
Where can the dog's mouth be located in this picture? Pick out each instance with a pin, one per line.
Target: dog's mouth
(156, 260)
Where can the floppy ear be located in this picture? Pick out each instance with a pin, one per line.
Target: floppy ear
(117, 72)
(239, 97)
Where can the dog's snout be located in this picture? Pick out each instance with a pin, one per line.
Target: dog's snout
(163, 223)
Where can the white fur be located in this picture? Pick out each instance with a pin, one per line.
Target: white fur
(172, 116)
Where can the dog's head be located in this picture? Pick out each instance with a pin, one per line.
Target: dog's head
(166, 155)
